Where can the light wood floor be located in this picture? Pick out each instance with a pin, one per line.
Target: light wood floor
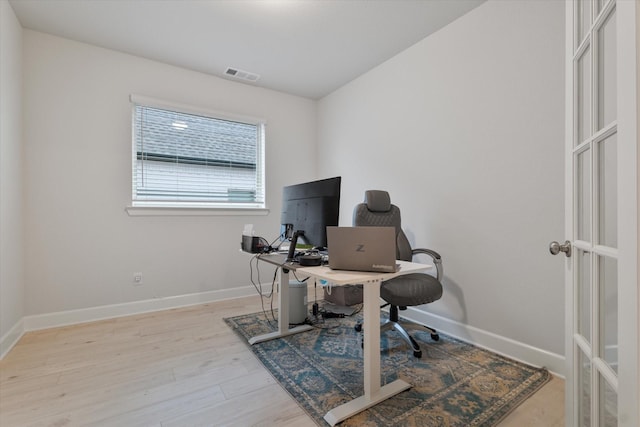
(181, 367)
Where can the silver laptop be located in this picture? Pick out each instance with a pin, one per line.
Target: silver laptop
(362, 248)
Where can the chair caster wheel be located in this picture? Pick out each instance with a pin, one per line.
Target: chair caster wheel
(418, 354)
(435, 337)
(358, 327)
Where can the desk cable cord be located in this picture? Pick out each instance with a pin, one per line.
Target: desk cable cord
(294, 275)
(268, 248)
(258, 287)
(273, 286)
(271, 248)
(327, 286)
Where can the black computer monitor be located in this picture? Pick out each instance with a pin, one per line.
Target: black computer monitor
(307, 210)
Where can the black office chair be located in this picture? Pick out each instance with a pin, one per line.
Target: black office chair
(407, 290)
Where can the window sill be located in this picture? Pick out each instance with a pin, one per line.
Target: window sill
(151, 210)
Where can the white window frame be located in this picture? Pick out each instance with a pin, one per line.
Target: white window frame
(168, 208)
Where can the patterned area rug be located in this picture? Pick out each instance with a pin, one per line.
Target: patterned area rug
(454, 383)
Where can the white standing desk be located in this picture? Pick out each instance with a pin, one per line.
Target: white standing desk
(374, 393)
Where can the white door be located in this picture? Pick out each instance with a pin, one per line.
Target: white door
(601, 214)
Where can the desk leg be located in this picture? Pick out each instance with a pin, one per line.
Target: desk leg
(373, 393)
(283, 314)
(371, 338)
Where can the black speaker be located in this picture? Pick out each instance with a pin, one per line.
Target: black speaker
(310, 260)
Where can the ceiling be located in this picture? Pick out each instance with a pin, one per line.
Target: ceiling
(307, 48)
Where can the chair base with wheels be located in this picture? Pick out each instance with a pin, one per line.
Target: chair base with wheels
(392, 323)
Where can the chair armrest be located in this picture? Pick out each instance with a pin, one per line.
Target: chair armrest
(437, 260)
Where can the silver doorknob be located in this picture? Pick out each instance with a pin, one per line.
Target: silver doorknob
(555, 248)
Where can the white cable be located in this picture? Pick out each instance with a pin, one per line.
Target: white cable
(327, 286)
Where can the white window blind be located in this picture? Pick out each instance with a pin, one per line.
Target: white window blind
(182, 158)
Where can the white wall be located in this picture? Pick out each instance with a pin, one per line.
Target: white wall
(82, 247)
(11, 182)
(465, 130)
(11, 188)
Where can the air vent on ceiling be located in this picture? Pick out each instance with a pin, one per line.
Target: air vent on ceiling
(241, 74)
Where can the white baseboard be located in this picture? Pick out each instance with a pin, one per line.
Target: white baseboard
(11, 338)
(513, 349)
(91, 314)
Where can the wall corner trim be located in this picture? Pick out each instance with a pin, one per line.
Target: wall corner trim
(11, 338)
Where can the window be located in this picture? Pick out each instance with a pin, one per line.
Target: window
(183, 157)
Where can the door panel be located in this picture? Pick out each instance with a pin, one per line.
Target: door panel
(584, 95)
(603, 359)
(608, 412)
(607, 81)
(608, 192)
(608, 279)
(583, 193)
(583, 260)
(584, 389)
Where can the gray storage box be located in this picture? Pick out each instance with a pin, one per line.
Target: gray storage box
(344, 295)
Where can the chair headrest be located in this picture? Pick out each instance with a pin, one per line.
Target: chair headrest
(377, 200)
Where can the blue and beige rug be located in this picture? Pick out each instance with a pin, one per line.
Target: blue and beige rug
(454, 383)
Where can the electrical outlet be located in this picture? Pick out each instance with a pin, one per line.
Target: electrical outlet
(137, 278)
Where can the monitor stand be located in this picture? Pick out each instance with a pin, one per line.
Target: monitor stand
(292, 247)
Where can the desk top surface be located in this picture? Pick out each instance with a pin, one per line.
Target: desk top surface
(344, 277)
